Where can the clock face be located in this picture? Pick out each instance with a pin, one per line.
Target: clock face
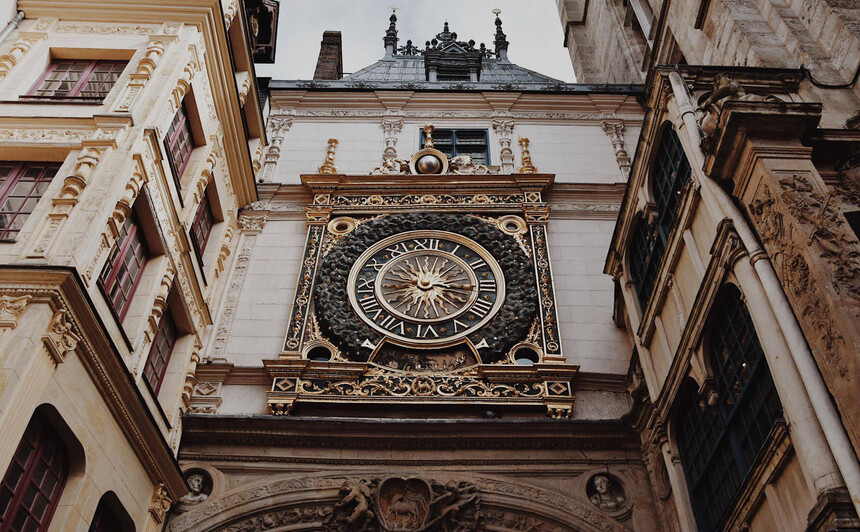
(426, 287)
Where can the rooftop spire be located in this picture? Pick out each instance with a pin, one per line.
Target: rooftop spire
(501, 41)
(390, 39)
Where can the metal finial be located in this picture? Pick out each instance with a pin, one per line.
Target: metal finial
(394, 8)
(497, 11)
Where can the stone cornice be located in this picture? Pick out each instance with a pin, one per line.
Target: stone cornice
(411, 184)
(406, 434)
(63, 289)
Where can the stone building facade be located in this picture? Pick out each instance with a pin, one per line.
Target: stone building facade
(122, 129)
(735, 255)
(445, 292)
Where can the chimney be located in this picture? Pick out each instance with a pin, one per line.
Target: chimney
(330, 62)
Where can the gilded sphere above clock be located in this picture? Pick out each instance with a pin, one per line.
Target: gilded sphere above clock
(428, 164)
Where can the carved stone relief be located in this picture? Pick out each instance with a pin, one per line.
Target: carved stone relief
(817, 259)
(606, 493)
(615, 130)
(199, 486)
(711, 104)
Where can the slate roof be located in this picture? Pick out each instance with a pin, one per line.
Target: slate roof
(406, 68)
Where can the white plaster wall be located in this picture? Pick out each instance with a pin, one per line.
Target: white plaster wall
(584, 295)
(262, 310)
(359, 149)
(575, 152)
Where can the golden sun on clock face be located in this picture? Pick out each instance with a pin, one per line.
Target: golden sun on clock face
(426, 287)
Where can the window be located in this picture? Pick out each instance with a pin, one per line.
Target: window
(646, 252)
(124, 267)
(179, 142)
(471, 142)
(77, 80)
(21, 186)
(719, 444)
(671, 173)
(105, 519)
(159, 353)
(201, 227)
(34, 481)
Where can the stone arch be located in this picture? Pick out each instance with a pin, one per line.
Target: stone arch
(305, 503)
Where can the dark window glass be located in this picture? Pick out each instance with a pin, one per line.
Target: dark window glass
(471, 142)
(201, 227)
(124, 267)
(21, 186)
(179, 142)
(646, 252)
(671, 173)
(159, 353)
(719, 444)
(34, 480)
(77, 80)
(105, 520)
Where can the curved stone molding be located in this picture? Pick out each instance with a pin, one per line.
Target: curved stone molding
(313, 500)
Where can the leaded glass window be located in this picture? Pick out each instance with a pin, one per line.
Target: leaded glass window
(719, 444)
(646, 252)
(471, 142)
(670, 174)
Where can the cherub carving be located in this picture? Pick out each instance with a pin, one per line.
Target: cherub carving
(356, 496)
(463, 164)
(392, 166)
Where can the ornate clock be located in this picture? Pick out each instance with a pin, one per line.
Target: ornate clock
(426, 281)
(426, 287)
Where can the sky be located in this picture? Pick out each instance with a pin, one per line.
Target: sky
(533, 28)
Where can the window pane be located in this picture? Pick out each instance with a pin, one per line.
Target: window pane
(719, 444)
(21, 187)
(125, 265)
(66, 79)
(31, 487)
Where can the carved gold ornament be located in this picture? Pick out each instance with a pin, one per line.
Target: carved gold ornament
(426, 287)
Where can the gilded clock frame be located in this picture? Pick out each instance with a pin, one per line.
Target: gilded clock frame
(447, 235)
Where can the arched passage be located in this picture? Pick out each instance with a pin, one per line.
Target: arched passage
(308, 504)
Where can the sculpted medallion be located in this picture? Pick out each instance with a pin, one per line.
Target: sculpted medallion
(426, 287)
